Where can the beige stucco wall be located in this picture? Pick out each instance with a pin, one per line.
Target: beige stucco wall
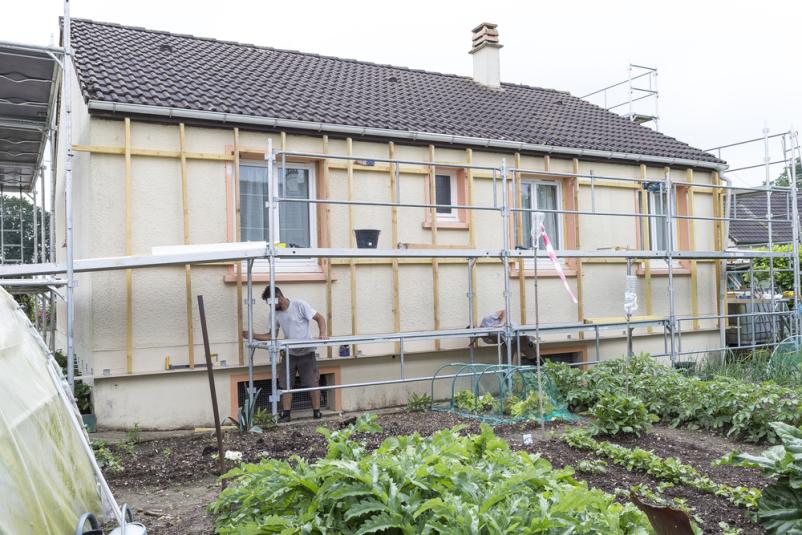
(159, 309)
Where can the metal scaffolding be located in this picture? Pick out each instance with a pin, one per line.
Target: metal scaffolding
(506, 180)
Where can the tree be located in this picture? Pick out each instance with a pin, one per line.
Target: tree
(10, 215)
(785, 180)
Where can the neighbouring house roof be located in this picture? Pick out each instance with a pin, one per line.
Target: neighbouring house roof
(751, 206)
(130, 65)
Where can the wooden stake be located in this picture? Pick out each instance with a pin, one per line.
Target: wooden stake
(238, 237)
(129, 275)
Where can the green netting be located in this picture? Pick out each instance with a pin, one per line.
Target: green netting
(500, 394)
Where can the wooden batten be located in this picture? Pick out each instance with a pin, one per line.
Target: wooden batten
(471, 232)
(187, 267)
(352, 242)
(519, 225)
(647, 268)
(435, 261)
(394, 234)
(129, 274)
(327, 239)
(692, 247)
(580, 293)
(238, 237)
(154, 153)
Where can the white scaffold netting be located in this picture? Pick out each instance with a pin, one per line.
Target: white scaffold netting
(47, 471)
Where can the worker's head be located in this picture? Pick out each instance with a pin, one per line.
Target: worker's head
(282, 302)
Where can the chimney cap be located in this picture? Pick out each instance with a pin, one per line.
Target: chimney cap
(486, 34)
(489, 25)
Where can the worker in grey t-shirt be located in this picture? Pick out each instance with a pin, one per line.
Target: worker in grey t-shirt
(293, 319)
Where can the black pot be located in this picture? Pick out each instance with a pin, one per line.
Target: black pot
(367, 238)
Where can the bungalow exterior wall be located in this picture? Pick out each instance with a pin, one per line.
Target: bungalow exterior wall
(153, 397)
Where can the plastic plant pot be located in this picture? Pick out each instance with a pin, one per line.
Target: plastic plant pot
(367, 238)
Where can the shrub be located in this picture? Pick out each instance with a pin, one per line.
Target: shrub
(615, 414)
(446, 483)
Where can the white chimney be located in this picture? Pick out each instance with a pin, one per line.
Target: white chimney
(485, 52)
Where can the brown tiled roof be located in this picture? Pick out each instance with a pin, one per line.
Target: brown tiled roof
(138, 66)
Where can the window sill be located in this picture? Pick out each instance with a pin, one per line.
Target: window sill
(662, 271)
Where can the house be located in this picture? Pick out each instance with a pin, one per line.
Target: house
(750, 225)
(171, 133)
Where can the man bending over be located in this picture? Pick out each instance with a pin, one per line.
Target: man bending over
(292, 318)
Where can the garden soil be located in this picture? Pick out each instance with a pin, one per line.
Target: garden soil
(171, 481)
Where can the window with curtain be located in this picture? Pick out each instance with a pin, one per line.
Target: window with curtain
(541, 196)
(296, 220)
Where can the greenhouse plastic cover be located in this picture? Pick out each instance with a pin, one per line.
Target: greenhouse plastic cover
(47, 470)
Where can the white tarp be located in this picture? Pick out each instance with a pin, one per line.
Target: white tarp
(47, 471)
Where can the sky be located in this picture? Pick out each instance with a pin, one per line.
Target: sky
(727, 69)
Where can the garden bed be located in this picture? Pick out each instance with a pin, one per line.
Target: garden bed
(172, 481)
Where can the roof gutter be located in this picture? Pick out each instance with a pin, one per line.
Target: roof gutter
(214, 116)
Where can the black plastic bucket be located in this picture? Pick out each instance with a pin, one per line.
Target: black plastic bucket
(367, 238)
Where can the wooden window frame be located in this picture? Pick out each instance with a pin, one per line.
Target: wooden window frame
(458, 220)
(319, 272)
(681, 235)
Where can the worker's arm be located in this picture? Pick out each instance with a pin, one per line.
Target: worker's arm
(321, 325)
(502, 316)
(256, 336)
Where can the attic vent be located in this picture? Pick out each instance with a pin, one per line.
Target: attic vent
(164, 47)
(392, 79)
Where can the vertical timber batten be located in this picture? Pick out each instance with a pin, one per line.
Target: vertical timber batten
(647, 268)
(435, 261)
(692, 247)
(238, 237)
(185, 220)
(327, 238)
(351, 239)
(580, 306)
(519, 225)
(472, 234)
(394, 234)
(718, 243)
(129, 274)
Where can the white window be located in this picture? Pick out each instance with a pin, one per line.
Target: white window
(654, 230)
(540, 195)
(297, 222)
(445, 193)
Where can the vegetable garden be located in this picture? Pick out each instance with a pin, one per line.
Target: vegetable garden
(654, 445)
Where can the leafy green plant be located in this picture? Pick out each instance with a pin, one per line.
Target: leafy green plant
(263, 419)
(616, 413)
(443, 484)
(595, 466)
(106, 459)
(466, 401)
(133, 434)
(418, 402)
(245, 423)
(741, 409)
(530, 407)
(667, 469)
(780, 507)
